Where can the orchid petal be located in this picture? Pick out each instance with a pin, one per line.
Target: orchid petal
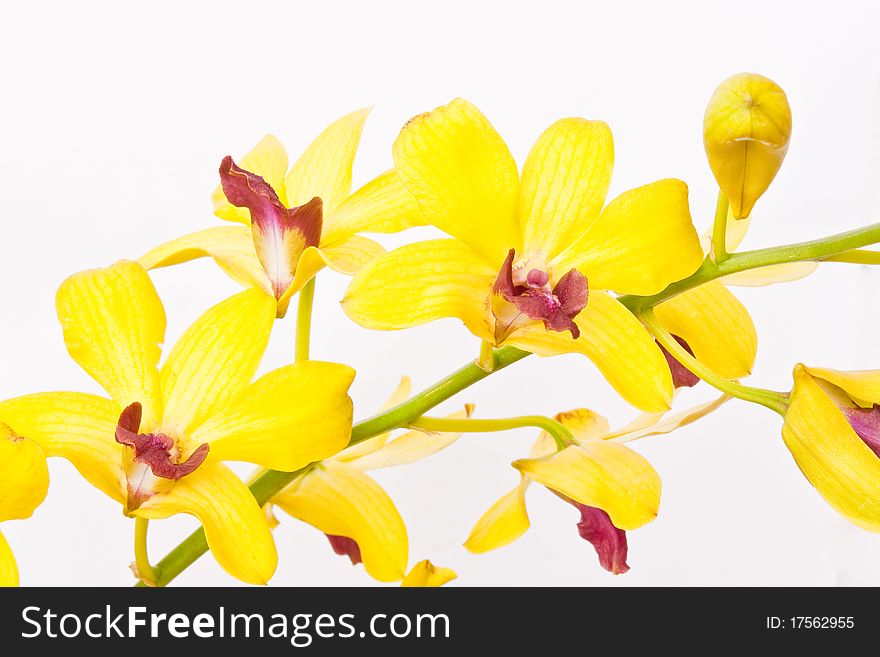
(24, 477)
(505, 521)
(8, 569)
(426, 574)
(267, 159)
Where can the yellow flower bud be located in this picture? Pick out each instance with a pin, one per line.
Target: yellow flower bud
(746, 131)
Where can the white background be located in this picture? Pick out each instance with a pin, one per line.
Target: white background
(114, 120)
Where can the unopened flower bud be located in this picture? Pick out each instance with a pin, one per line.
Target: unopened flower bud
(746, 131)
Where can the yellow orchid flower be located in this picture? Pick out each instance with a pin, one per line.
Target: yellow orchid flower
(614, 488)
(293, 223)
(24, 482)
(357, 515)
(532, 256)
(157, 444)
(425, 574)
(832, 428)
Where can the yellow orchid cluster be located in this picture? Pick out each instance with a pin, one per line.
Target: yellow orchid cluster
(534, 260)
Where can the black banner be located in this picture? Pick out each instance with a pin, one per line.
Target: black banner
(328, 621)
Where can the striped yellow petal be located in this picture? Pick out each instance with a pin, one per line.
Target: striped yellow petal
(862, 385)
(114, 324)
(463, 177)
(564, 183)
(267, 159)
(505, 521)
(772, 274)
(235, 526)
(716, 326)
(286, 419)
(343, 501)
(643, 241)
(656, 424)
(8, 569)
(409, 447)
(231, 247)
(74, 426)
(830, 454)
(350, 255)
(324, 169)
(420, 283)
(583, 423)
(601, 474)
(426, 574)
(214, 360)
(24, 477)
(400, 395)
(383, 205)
(617, 344)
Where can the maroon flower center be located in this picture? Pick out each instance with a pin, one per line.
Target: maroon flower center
(530, 296)
(682, 377)
(155, 450)
(866, 423)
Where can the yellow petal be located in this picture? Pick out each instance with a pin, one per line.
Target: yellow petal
(420, 283)
(862, 385)
(8, 569)
(235, 526)
(114, 324)
(583, 423)
(78, 427)
(617, 344)
(643, 241)
(350, 255)
(231, 247)
(324, 169)
(400, 395)
(746, 131)
(409, 447)
(383, 205)
(286, 419)
(214, 360)
(772, 274)
(602, 474)
(426, 574)
(24, 477)
(463, 177)
(342, 501)
(564, 183)
(715, 325)
(830, 454)
(656, 424)
(267, 159)
(503, 523)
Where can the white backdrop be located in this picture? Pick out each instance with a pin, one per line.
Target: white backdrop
(114, 120)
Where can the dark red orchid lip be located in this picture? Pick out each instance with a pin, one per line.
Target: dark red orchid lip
(345, 547)
(534, 298)
(154, 449)
(281, 234)
(609, 541)
(866, 423)
(682, 377)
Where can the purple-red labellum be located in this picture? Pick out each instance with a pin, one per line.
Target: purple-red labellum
(155, 449)
(281, 234)
(682, 377)
(345, 547)
(532, 296)
(596, 527)
(866, 423)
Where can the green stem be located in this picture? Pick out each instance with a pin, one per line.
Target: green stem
(775, 401)
(557, 430)
(821, 249)
(719, 228)
(272, 482)
(857, 257)
(147, 574)
(304, 321)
